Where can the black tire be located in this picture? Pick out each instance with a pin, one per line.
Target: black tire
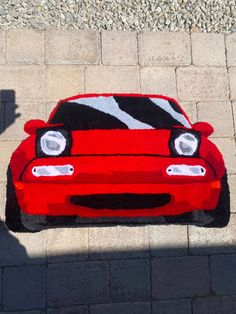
(221, 214)
(12, 209)
(217, 218)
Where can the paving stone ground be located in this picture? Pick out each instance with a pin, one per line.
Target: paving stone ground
(111, 270)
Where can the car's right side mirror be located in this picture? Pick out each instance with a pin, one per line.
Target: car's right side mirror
(204, 128)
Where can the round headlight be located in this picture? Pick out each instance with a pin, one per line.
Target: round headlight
(53, 143)
(186, 144)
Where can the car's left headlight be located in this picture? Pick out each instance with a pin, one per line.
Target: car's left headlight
(53, 143)
(186, 144)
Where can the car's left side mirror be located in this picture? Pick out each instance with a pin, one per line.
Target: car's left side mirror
(31, 126)
(204, 128)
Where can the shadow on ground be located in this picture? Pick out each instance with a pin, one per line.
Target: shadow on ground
(168, 280)
(8, 108)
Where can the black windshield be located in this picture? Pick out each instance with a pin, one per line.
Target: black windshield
(118, 112)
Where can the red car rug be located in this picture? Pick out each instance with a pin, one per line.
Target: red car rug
(116, 158)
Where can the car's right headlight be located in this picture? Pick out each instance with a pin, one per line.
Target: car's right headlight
(53, 143)
(186, 144)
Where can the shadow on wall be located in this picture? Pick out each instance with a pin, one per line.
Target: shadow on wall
(8, 108)
(170, 280)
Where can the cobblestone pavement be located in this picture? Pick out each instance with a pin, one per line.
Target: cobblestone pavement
(104, 270)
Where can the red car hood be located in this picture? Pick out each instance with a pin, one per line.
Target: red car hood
(125, 142)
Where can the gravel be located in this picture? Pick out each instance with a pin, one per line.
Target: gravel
(163, 15)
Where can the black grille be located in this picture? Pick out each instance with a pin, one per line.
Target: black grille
(121, 201)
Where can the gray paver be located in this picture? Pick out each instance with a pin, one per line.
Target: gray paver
(0, 286)
(215, 305)
(124, 308)
(232, 82)
(24, 287)
(211, 111)
(179, 277)
(119, 48)
(223, 275)
(2, 46)
(164, 48)
(118, 242)
(112, 79)
(28, 81)
(21, 248)
(213, 240)
(231, 48)
(64, 81)
(156, 80)
(67, 244)
(202, 83)
(72, 47)
(165, 242)
(25, 46)
(172, 307)
(203, 44)
(17, 114)
(130, 280)
(2, 200)
(25, 312)
(77, 283)
(69, 310)
(232, 188)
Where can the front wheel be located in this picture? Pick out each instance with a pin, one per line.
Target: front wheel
(219, 217)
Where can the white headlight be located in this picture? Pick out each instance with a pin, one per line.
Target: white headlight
(53, 143)
(186, 144)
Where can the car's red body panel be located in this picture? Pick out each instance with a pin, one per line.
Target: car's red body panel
(116, 162)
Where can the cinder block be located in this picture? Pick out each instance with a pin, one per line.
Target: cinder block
(72, 47)
(164, 49)
(208, 49)
(21, 248)
(213, 240)
(69, 310)
(155, 80)
(223, 275)
(190, 109)
(7, 148)
(130, 280)
(232, 82)
(67, 244)
(168, 240)
(24, 287)
(219, 114)
(231, 48)
(28, 81)
(118, 242)
(227, 147)
(119, 48)
(77, 283)
(25, 46)
(180, 277)
(64, 81)
(172, 307)
(2, 46)
(16, 115)
(124, 308)
(215, 305)
(112, 79)
(202, 84)
(232, 188)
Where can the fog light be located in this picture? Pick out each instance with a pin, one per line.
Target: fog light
(185, 170)
(53, 171)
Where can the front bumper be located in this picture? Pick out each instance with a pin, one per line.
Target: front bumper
(119, 175)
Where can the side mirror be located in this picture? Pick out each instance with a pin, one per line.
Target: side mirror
(31, 126)
(204, 128)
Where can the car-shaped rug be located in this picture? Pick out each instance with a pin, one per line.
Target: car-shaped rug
(116, 159)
